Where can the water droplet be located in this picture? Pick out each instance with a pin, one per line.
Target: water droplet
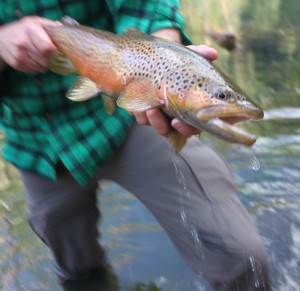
(183, 215)
(256, 269)
(195, 235)
(254, 161)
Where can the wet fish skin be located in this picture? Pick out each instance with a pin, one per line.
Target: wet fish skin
(142, 72)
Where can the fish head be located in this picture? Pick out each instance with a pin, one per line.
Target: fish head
(225, 103)
(215, 108)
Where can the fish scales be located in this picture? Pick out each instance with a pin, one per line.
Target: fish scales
(126, 57)
(142, 72)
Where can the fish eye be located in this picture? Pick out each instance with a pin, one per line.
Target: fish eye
(222, 95)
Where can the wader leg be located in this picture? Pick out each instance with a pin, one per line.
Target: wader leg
(65, 215)
(207, 222)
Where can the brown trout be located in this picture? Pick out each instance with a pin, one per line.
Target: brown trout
(141, 72)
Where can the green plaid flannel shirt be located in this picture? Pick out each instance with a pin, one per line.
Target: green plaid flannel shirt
(41, 126)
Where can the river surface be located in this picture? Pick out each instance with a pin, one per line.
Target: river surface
(266, 64)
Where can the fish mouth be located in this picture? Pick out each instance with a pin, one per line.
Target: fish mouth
(232, 114)
(224, 128)
(220, 121)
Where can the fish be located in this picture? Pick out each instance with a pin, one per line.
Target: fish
(139, 72)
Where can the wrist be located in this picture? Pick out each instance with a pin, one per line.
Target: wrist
(172, 34)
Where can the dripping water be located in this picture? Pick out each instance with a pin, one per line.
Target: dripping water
(257, 272)
(254, 161)
(182, 182)
(186, 219)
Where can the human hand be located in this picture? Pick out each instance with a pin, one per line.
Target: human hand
(24, 44)
(159, 121)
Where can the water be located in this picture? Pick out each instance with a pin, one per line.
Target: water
(182, 183)
(265, 64)
(185, 195)
(254, 161)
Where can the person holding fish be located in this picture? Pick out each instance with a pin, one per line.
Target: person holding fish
(63, 148)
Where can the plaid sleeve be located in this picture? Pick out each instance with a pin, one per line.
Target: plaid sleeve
(150, 16)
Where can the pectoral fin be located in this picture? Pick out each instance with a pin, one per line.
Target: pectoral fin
(177, 140)
(109, 104)
(139, 95)
(82, 89)
(60, 64)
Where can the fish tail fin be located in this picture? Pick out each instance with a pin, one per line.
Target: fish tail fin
(177, 140)
(60, 64)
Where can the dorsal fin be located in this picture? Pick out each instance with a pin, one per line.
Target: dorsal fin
(133, 31)
(69, 21)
